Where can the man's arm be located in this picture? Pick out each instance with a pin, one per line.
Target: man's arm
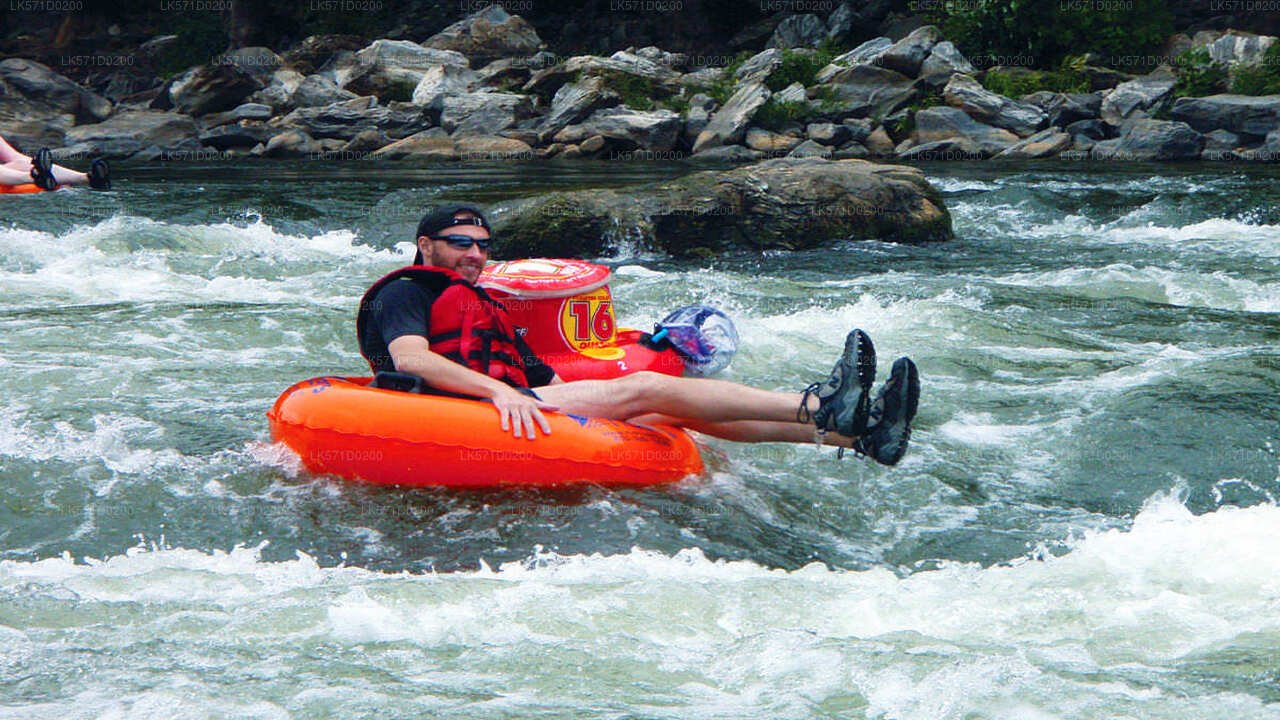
(412, 354)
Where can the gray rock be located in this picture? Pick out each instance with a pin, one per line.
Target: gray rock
(1094, 129)
(768, 142)
(213, 88)
(575, 101)
(627, 129)
(278, 93)
(1146, 139)
(242, 134)
(791, 93)
(841, 21)
(1064, 109)
(867, 90)
(851, 150)
(865, 54)
(859, 128)
(504, 73)
(1220, 145)
(432, 144)
(828, 133)
(878, 143)
(662, 80)
(704, 78)
(1134, 99)
(908, 54)
(695, 121)
(127, 133)
(365, 142)
(944, 123)
(318, 91)
(1236, 47)
(38, 82)
(798, 31)
(729, 123)
(965, 93)
(487, 35)
(29, 124)
(483, 113)
(944, 60)
(1046, 143)
(292, 143)
(957, 148)
(787, 203)
(247, 111)
(388, 68)
(345, 120)
(260, 62)
(809, 148)
(759, 67)
(675, 61)
(1238, 113)
(441, 81)
(729, 153)
(491, 147)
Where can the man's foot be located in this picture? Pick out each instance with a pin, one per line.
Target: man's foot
(42, 170)
(100, 175)
(843, 400)
(891, 414)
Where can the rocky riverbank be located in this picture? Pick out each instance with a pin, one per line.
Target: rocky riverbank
(485, 88)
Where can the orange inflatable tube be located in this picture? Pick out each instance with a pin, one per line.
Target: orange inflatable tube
(23, 189)
(339, 426)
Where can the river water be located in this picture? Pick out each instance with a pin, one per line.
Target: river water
(1086, 525)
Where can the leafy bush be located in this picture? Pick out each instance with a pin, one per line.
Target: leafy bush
(1197, 74)
(1047, 31)
(1260, 79)
(775, 114)
(800, 67)
(1016, 84)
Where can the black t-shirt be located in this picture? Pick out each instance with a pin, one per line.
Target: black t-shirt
(403, 307)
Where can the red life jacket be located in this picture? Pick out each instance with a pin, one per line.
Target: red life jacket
(466, 325)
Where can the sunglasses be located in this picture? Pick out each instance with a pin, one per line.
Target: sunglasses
(462, 242)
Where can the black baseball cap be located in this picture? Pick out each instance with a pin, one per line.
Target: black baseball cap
(442, 217)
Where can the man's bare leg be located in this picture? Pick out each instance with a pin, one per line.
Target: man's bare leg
(708, 401)
(749, 431)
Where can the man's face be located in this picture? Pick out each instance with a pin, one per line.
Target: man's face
(467, 262)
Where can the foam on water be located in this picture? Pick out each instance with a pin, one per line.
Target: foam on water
(1158, 285)
(1102, 631)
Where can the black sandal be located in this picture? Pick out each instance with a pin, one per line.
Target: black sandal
(100, 175)
(42, 170)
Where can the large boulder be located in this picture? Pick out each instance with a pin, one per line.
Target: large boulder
(345, 120)
(626, 129)
(758, 67)
(805, 30)
(318, 91)
(785, 203)
(391, 68)
(1240, 114)
(769, 142)
(29, 124)
(729, 123)
(660, 81)
(944, 61)
(965, 93)
(574, 102)
(483, 113)
(1046, 143)
(133, 131)
(39, 83)
(1136, 98)
(432, 144)
(243, 133)
(279, 90)
(866, 90)
(1147, 139)
(1065, 108)
(440, 82)
(317, 51)
(214, 87)
(865, 54)
(1235, 47)
(908, 54)
(944, 123)
(487, 35)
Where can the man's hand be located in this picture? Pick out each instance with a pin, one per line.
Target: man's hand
(519, 412)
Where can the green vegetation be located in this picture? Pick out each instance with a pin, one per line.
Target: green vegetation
(800, 67)
(198, 42)
(637, 93)
(1043, 33)
(1015, 84)
(1260, 79)
(1198, 75)
(775, 114)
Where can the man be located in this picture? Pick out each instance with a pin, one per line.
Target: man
(430, 320)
